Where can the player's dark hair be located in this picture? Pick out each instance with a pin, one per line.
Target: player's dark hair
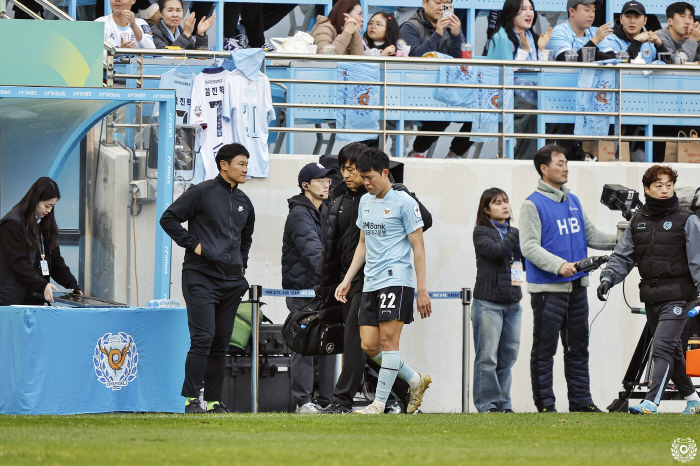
(230, 152)
(350, 153)
(679, 8)
(161, 5)
(544, 156)
(373, 159)
(391, 35)
(43, 189)
(654, 173)
(511, 9)
(337, 14)
(490, 195)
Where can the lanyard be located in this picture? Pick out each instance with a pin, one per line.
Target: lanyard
(41, 246)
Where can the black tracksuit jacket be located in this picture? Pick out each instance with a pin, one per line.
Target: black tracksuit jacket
(221, 219)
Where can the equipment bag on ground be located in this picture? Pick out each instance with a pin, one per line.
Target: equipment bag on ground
(307, 335)
(243, 325)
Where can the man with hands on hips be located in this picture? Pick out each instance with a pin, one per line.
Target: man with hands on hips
(577, 32)
(663, 240)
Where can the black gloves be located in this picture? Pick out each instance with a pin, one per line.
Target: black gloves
(603, 289)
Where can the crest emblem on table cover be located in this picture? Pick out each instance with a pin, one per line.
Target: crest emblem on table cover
(115, 360)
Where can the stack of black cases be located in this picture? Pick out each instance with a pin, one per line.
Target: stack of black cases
(274, 375)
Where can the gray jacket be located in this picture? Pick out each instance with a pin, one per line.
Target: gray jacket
(622, 261)
(687, 45)
(531, 240)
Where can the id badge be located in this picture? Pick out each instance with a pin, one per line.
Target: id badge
(44, 267)
(516, 273)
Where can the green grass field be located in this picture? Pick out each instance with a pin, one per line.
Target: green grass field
(277, 439)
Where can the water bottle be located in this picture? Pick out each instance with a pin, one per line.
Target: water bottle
(163, 303)
(693, 312)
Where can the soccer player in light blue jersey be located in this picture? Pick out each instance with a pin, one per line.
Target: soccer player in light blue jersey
(391, 226)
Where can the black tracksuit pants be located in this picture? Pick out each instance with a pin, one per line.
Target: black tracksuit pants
(564, 314)
(353, 357)
(211, 310)
(666, 322)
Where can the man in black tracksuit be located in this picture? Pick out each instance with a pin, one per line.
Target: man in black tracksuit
(220, 220)
(301, 250)
(663, 240)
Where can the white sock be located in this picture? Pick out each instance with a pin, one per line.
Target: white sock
(693, 397)
(380, 404)
(415, 380)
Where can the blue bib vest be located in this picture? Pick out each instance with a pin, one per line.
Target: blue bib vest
(563, 234)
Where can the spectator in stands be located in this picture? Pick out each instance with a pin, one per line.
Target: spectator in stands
(555, 234)
(151, 14)
(341, 29)
(170, 32)
(29, 254)
(428, 30)
(301, 251)
(383, 37)
(496, 311)
(512, 38)
(683, 32)
(577, 32)
(124, 29)
(630, 35)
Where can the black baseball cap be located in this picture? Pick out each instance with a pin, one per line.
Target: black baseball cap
(311, 171)
(635, 7)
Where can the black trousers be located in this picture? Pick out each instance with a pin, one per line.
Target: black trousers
(211, 310)
(666, 322)
(353, 357)
(565, 315)
(459, 146)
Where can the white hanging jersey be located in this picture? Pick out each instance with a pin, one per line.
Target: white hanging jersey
(248, 105)
(207, 112)
(114, 33)
(182, 84)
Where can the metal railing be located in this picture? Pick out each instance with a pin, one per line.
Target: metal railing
(620, 70)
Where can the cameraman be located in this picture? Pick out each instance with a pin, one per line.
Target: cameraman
(663, 239)
(555, 234)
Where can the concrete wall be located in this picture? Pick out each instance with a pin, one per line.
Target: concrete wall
(450, 190)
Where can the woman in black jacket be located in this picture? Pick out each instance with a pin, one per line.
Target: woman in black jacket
(29, 252)
(496, 309)
(173, 31)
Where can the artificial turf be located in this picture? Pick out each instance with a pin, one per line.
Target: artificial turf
(277, 439)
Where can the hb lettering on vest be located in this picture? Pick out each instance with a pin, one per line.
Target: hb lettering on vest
(572, 226)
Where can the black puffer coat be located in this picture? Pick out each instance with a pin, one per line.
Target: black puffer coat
(301, 244)
(20, 272)
(493, 256)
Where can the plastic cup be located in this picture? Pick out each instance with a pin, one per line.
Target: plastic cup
(467, 49)
(664, 57)
(549, 55)
(571, 55)
(329, 49)
(588, 54)
(313, 48)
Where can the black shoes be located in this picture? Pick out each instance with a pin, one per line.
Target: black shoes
(193, 407)
(549, 409)
(507, 411)
(493, 410)
(218, 409)
(335, 408)
(587, 409)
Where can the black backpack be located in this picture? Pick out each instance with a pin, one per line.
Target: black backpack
(307, 334)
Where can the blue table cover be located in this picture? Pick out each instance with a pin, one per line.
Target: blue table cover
(70, 361)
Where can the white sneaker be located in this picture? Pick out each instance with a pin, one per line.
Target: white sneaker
(374, 408)
(308, 408)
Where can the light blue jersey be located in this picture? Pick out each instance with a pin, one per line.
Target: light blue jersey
(647, 52)
(386, 224)
(564, 38)
(182, 83)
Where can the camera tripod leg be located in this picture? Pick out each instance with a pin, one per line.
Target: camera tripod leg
(635, 371)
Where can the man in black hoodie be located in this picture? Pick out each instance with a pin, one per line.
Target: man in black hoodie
(301, 250)
(220, 220)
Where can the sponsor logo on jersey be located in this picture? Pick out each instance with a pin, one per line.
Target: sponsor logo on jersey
(667, 225)
(386, 212)
(416, 211)
(146, 28)
(115, 360)
(198, 110)
(677, 310)
(240, 208)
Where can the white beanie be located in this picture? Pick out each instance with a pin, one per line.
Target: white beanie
(148, 12)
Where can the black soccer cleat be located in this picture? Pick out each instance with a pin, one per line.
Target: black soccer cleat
(587, 409)
(218, 408)
(335, 408)
(193, 407)
(548, 409)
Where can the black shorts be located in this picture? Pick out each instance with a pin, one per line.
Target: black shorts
(390, 303)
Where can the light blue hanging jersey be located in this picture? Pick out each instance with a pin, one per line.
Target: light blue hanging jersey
(564, 38)
(386, 224)
(182, 84)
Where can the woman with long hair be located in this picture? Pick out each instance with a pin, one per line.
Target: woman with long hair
(496, 311)
(341, 29)
(29, 252)
(512, 38)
